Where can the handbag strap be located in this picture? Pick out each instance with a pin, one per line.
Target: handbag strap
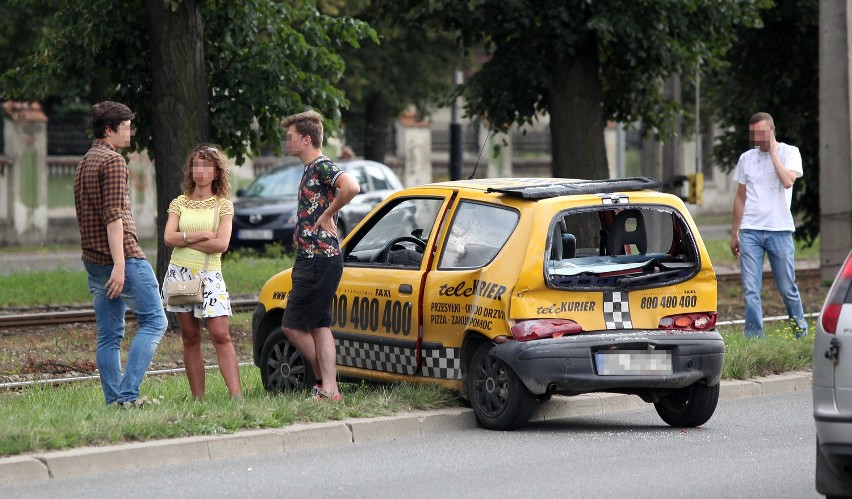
(215, 226)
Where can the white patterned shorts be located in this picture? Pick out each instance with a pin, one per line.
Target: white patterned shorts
(217, 302)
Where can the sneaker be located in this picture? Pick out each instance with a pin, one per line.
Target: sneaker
(131, 404)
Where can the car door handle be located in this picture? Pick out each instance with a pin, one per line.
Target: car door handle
(405, 289)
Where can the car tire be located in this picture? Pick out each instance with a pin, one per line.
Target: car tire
(282, 366)
(499, 399)
(689, 407)
(827, 482)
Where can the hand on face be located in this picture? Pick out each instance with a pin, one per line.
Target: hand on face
(762, 136)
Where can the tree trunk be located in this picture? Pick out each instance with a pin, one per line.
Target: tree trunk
(375, 128)
(576, 123)
(179, 107)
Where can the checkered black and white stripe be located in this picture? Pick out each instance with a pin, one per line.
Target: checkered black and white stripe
(616, 309)
(376, 357)
(442, 363)
(614, 199)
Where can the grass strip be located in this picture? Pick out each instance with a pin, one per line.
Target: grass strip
(245, 274)
(719, 250)
(67, 416)
(777, 353)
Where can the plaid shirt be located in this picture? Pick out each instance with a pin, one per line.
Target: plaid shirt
(101, 196)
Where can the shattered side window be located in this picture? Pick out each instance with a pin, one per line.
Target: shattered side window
(620, 247)
(477, 234)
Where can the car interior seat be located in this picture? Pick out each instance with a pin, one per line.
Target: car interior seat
(556, 242)
(569, 245)
(619, 236)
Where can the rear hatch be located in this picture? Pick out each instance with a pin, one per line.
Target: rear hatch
(622, 266)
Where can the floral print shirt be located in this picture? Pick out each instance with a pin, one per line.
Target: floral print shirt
(316, 192)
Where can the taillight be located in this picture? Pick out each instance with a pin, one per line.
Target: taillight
(838, 295)
(696, 321)
(544, 328)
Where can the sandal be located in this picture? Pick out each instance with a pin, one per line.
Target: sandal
(322, 395)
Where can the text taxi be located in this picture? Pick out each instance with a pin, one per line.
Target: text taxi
(511, 290)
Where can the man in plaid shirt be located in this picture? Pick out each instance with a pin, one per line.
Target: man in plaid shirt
(119, 274)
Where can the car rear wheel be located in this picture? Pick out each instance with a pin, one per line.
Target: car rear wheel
(690, 406)
(282, 366)
(498, 397)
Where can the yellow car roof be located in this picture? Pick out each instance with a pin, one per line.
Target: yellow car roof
(543, 188)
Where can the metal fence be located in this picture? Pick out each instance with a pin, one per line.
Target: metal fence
(531, 141)
(68, 135)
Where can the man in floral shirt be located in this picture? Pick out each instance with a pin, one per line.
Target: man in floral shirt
(323, 191)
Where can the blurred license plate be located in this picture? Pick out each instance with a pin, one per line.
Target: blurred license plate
(633, 362)
(265, 235)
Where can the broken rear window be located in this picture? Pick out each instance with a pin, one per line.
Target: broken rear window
(620, 247)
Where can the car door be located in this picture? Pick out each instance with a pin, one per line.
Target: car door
(377, 309)
(470, 288)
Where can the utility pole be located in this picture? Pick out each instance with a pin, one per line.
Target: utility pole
(456, 156)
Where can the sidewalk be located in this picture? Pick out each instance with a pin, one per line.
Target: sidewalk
(43, 466)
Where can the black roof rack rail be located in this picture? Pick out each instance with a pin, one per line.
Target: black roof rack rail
(558, 188)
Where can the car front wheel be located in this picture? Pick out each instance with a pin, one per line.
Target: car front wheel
(689, 407)
(282, 366)
(498, 397)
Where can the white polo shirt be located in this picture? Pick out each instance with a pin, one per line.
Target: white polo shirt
(767, 205)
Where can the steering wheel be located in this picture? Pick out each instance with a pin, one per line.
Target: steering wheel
(387, 249)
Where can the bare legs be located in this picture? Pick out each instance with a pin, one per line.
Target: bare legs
(218, 328)
(318, 349)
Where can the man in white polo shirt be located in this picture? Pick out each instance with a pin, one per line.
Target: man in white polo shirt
(763, 223)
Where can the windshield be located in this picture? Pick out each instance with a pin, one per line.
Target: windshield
(620, 247)
(277, 183)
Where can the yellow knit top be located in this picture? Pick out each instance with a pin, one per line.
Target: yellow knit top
(195, 216)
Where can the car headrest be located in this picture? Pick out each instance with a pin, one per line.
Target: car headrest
(619, 236)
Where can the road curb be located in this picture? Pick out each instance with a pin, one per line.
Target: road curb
(36, 467)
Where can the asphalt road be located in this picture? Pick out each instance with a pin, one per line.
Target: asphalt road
(755, 447)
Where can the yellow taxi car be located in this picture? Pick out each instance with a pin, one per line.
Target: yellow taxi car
(512, 290)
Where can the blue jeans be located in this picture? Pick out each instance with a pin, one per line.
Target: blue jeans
(141, 293)
(778, 246)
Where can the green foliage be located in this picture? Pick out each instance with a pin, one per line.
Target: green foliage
(638, 45)
(264, 60)
(410, 65)
(758, 76)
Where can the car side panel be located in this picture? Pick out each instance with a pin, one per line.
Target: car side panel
(375, 319)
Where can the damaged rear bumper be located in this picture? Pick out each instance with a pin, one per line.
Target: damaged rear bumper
(567, 364)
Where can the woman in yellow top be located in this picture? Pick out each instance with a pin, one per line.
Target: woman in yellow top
(190, 231)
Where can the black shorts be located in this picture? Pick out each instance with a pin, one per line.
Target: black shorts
(315, 281)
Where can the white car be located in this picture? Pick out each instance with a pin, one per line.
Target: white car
(832, 388)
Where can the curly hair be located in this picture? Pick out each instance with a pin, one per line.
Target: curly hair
(221, 185)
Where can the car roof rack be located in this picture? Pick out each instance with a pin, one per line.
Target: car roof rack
(567, 188)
